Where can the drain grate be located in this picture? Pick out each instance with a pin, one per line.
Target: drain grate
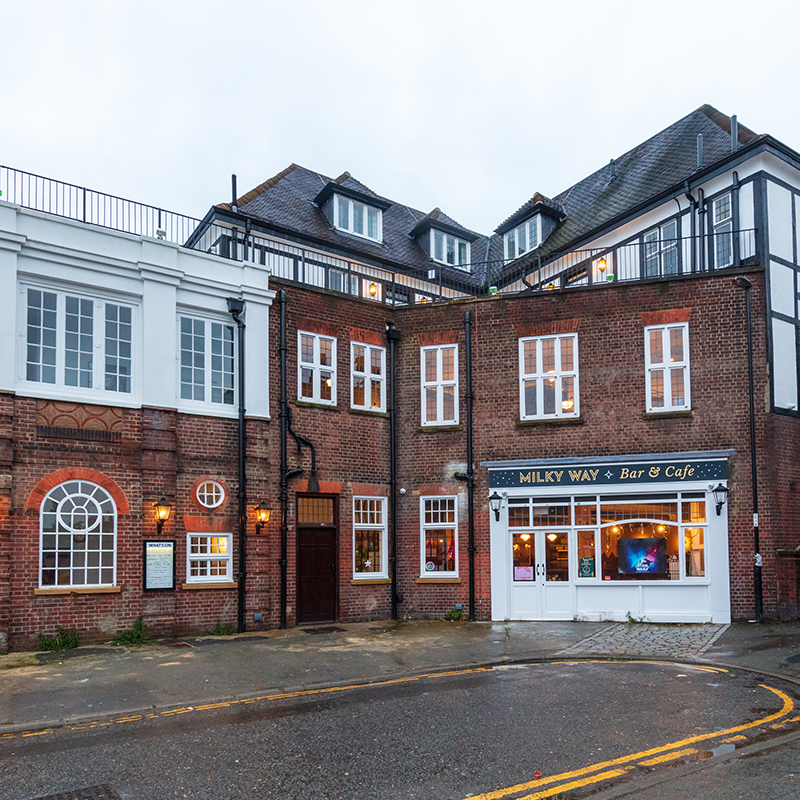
(104, 792)
(330, 629)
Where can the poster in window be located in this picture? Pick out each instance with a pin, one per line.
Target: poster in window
(159, 564)
(642, 556)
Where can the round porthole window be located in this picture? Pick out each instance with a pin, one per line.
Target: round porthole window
(210, 494)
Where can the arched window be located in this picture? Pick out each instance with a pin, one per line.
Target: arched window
(78, 529)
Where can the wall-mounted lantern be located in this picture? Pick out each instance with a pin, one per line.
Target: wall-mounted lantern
(162, 511)
(720, 496)
(495, 502)
(262, 515)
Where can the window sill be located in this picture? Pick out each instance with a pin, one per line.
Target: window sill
(221, 585)
(438, 580)
(312, 404)
(535, 423)
(687, 413)
(79, 590)
(370, 581)
(440, 428)
(366, 412)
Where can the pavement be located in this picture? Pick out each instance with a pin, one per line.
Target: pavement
(41, 690)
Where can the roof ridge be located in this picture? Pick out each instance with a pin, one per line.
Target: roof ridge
(261, 188)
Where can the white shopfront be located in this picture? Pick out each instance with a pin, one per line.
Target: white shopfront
(616, 538)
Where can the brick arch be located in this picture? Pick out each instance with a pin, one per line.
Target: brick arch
(77, 474)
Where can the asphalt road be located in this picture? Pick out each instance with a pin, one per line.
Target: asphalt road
(659, 729)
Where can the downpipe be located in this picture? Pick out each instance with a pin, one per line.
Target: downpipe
(393, 336)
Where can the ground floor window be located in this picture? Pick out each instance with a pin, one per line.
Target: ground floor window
(439, 536)
(369, 537)
(78, 542)
(209, 557)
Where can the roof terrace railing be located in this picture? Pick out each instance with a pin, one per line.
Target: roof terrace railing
(646, 258)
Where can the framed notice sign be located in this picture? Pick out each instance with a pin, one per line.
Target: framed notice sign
(159, 564)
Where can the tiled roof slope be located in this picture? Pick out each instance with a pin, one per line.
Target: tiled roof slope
(663, 161)
(286, 200)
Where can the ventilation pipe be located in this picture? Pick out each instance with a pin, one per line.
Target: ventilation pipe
(692, 223)
(734, 134)
(700, 163)
(234, 195)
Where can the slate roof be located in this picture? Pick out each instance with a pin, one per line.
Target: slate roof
(657, 165)
(286, 200)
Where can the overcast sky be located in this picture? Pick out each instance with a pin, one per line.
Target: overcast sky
(469, 106)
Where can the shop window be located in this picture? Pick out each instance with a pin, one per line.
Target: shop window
(439, 536)
(667, 367)
(440, 385)
(316, 368)
(548, 373)
(367, 376)
(77, 343)
(207, 362)
(209, 558)
(78, 536)
(369, 537)
(210, 494)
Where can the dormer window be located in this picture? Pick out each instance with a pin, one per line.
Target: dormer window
(357, 218)
(523, 238)
(448, 249)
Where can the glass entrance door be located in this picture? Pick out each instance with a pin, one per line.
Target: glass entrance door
(540, 585)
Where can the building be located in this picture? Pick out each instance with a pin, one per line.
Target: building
(549, 422)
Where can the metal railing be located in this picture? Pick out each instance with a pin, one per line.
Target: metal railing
(639, 260)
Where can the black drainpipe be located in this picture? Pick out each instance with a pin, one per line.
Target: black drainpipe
(693, 224)
(284, 478)
(235, 308)
(469, 476)
(393, 336)
(701, 203)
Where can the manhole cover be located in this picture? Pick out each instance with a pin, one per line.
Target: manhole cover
(330, 629)
(104, 792)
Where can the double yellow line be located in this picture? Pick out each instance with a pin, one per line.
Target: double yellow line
(605, 770)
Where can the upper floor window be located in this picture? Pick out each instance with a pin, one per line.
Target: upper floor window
(722, 222)
(548, 373)
(358, 218)
(447, 249)
(78, 527)
(210, 494)
(367, 373)
(667, 367)
(523, 238)
(77, 342)
(440, 385)
(661, 250)
(316, 368)
(369, 537)
(207, 356)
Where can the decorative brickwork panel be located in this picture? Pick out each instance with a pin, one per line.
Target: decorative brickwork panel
(80, 416)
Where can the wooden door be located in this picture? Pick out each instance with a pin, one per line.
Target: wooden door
(316, 560)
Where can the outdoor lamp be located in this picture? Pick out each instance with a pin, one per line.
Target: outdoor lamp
(373, 289)
(494, 503)
(720, 496)
(163, 509)
(601, 264)
(262, 516)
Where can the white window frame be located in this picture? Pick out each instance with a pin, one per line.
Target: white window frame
(722, 227)
(100, 348)
(658, 245)
(368, 376)
(207, 402)
(97, 496)
(382, 527)
(667, 367)
(439, 385)
(530, 226)
(428, 527)
(316, 368)
(557, 376)
(351, 206)
(458, 244)
(227, 557)
(220, 493)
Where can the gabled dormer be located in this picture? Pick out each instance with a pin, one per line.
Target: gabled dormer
(352, 211)
(444, 241)
(529, 227)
